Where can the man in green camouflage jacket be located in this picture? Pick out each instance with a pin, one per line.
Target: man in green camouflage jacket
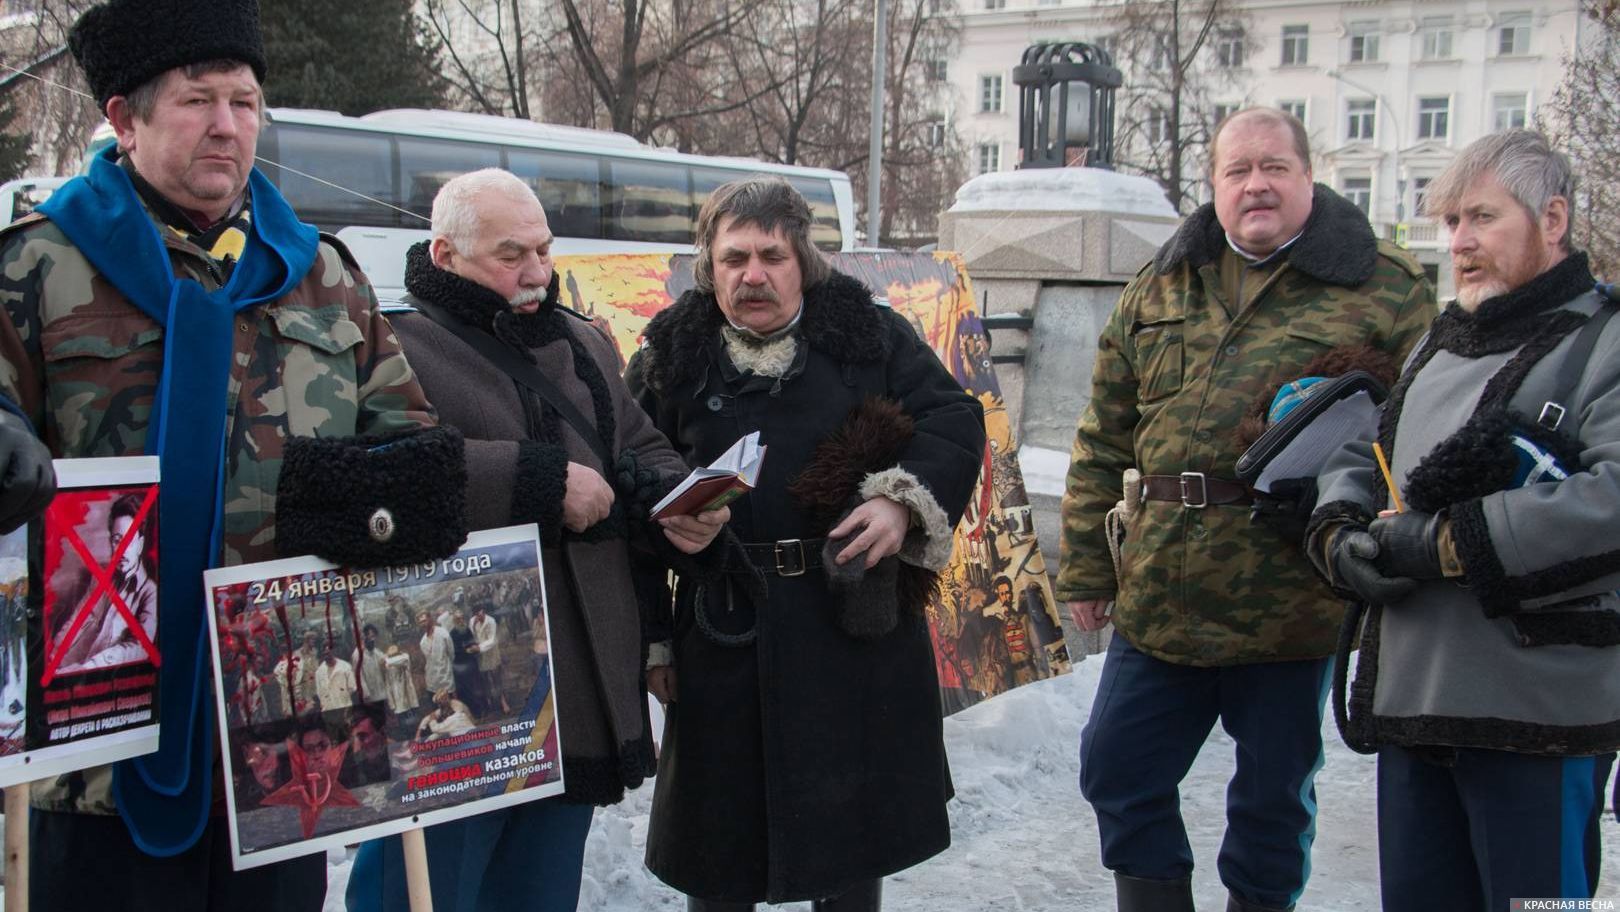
(1217, 616)
(170, 303)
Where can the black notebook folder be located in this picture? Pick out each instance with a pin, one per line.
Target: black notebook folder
(1303, 441)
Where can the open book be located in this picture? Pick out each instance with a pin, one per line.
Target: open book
(717, 484)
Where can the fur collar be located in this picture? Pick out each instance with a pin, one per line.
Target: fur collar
(1337, 246)
(841, 321)
(1510, 320)
(477, 305)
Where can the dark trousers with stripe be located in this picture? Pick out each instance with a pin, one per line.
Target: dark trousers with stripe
(1148, 722)
(1473, 829)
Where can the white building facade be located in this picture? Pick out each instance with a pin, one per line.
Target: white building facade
(1388, 89)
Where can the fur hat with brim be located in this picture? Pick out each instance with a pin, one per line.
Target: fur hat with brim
(125, 43)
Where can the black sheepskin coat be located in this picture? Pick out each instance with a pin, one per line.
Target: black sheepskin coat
(799, 759)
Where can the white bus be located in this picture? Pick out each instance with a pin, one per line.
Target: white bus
(371, 181)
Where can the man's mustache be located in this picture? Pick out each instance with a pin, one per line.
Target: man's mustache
(764, 293)
(1268, 201)
(528, 296)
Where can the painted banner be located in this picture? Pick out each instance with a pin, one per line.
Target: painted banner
(995, 625)
(362, 703)
(78, 637)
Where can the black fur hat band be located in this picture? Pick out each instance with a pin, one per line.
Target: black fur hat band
(125, 43)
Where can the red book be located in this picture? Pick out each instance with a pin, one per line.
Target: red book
(717, 484)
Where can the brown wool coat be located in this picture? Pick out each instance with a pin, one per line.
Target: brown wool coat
(596, 645)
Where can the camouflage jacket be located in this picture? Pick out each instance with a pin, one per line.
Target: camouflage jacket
(1176, 368)
(84, 365)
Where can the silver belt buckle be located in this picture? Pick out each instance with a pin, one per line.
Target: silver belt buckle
(790, 543)
(1203, 490)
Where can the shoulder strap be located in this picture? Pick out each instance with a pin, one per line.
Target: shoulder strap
(521, 371)
(1569, 372)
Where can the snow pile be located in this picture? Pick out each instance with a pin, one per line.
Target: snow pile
(1025, 841)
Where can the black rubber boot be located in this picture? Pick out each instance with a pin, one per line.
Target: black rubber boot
(1235, 903)
(866, 896)
(693, 904)
(1139, 894)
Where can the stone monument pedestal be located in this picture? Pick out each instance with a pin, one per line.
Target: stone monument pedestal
(1056, 245)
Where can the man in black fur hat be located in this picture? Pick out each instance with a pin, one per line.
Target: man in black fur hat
(169, 302)
(1489, 672)
(803, 756)
(488, 271)
(1218, 616)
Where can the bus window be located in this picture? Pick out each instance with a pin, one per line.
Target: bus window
(352, 159)
(569, 186)
(824, 227)
(649, 201)
(425, 165)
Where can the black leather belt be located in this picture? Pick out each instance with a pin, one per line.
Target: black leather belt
(788, 557)
(1195, 490)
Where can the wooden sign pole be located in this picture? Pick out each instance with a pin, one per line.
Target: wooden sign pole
(416, 869)
(17, 848)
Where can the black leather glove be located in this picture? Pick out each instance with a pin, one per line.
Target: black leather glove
(1353, 552)
(1286, 508)
(27, 477)
(1408, 545)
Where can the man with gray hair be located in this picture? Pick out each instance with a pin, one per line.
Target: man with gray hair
(1489, 677)
(803, 755)
(554, 439)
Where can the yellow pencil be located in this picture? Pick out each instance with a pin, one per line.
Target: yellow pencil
(1389, 479)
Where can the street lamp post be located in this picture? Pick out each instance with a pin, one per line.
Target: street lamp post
(1395, 128)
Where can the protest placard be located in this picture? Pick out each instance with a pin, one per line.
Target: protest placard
(359, 703)
(79, 657)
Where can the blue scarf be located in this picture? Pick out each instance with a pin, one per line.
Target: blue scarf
(165, 797)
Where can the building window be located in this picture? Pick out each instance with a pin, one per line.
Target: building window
(1161, 59)
(1510, 112)
(1363, 42)
(990, 94)
(1513, 35)
(1420, 190)
(995, 4)
(989, 157)
(1294, 106)
(1296, 45)
(1158, 126)
(1361, 116)
(1436, 33)
(1434, 118)
(936, 131)
(938, 69)
(1358, 190)
(1048, 2)
(1110, 46)
(1229, 48)
(1223, 111)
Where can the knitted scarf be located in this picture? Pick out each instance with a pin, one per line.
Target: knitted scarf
(164, 797)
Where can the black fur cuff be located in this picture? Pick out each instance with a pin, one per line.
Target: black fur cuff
(542, 482)
(374, 500)
(1486, 575)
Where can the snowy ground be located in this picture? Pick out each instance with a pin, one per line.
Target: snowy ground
(1024, 841)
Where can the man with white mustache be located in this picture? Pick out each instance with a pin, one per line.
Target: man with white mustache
(1217, 612)
(484, 287)
(1489, 678)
